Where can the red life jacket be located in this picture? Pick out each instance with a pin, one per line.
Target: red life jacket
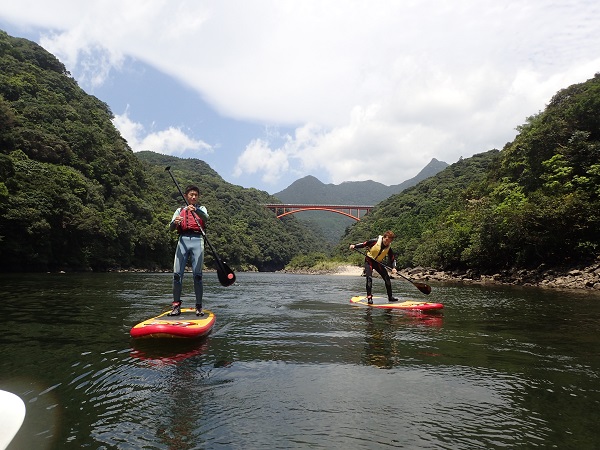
(189, 224)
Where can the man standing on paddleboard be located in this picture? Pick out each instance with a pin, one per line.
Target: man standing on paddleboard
(379, 248)
(189, 221)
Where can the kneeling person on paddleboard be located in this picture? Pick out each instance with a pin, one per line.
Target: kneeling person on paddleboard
(379, 248)
(189, 221)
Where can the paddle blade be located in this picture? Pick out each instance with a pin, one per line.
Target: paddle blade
(424, 288)
(225, 274)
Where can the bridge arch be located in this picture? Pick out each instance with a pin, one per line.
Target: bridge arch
(352, 211)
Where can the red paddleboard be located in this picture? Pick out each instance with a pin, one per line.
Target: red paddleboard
(185, 325)
(380, 302)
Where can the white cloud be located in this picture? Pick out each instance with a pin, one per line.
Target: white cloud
(259, 158)
(373, 89)
(172, 141)
(367, 148)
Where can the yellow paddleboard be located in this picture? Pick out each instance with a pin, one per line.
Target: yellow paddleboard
(381, 302)
(185, 325)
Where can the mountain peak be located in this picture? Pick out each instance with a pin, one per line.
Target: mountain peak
(310, 189)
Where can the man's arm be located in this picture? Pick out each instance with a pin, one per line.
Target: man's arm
(370, 243)
(172, 224)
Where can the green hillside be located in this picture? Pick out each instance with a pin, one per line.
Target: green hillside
(535, 202)
(73, 196)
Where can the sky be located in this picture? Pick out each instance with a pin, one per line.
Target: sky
(269, 91)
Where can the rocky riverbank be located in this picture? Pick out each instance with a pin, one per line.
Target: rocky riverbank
(562, 278)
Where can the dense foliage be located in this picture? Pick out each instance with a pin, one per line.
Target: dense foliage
(535, 202)
(73, 196)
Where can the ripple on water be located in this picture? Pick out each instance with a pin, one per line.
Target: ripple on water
(498, 369)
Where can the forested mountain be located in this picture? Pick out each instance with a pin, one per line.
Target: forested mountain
(311, 190)
(73, 196)
(535, 202)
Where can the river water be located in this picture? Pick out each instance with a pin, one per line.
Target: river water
(291, 364)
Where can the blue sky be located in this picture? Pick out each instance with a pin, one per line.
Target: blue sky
(269, 91)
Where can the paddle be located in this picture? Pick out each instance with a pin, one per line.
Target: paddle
(224, 273)
(424, 288)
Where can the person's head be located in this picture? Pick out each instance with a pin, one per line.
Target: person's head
(388, 237)
(192, 193)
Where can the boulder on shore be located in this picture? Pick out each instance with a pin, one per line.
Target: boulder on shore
(586, 278)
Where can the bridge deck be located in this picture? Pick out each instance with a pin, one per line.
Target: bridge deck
(291, 208)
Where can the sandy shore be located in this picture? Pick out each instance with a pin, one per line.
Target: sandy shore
(343, 270)
(349, 271)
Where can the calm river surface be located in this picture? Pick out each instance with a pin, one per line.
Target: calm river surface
(291, 364)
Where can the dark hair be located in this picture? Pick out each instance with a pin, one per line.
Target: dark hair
(192, 188)
(389, 234)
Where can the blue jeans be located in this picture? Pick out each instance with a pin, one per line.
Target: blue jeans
(188, 247)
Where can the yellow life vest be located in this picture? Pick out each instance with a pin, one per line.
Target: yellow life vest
(378, 252)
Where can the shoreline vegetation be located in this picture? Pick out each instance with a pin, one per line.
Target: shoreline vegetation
(587, 278)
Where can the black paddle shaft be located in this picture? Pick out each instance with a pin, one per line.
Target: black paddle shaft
(225, 274)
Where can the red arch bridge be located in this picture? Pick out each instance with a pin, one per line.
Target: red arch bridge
(352, 211)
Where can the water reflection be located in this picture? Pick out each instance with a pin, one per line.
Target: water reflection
(385, 331)
(186, 375)
(182, 408)
(168, 351)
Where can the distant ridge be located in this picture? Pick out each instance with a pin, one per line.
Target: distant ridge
(311, 190)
